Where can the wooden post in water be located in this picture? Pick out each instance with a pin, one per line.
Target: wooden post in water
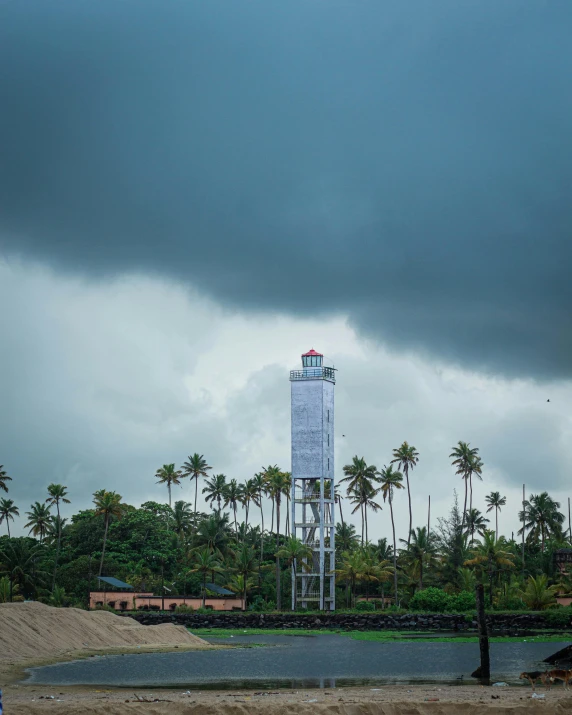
(485, 668)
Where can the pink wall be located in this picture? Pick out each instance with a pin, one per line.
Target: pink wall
(132, 601)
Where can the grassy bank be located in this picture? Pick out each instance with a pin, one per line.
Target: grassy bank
(379, 636)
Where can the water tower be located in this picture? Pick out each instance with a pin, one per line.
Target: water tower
(313, 512)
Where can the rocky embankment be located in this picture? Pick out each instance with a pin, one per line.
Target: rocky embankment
(498, 623)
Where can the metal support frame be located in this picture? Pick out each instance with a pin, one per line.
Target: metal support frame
(313, 519)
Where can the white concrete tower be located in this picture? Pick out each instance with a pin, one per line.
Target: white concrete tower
(313, 512)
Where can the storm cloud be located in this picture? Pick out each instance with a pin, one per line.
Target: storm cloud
(406, 164)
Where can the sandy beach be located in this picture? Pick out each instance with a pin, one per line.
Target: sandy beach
(33, 635)
(388, 700)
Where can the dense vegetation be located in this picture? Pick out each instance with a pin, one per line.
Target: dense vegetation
(174, 546)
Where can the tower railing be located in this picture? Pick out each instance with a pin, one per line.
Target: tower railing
(314, 373)
(303, 495)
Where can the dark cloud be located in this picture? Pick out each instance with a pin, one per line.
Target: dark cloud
(407, 163)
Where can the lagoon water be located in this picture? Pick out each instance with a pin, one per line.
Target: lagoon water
(298, 661)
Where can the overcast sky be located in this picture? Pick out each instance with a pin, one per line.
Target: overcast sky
(193, 194)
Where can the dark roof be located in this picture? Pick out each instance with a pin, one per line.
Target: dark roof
(115, 582)
(218, 589)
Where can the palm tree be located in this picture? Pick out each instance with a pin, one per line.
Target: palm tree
(360, 477)
(346, 537)
(350, 570)
(214, 489)
(108, 505)
(466, 459)
(476, 521)
(233, 497)
(259, 482)
(475, 469)
(3, 479)
(205, 562)
(269, 474)
(374, 571)
(391, 480)
(20, 561)
(245, 565)
(8, 510)
(542, 517)
(467, 580)
(57, 494)
(249, 494)
(491, 556)
(406, 457)
(196, 466)
(39, 519)
(286, 488)
(55, 526)
(182, 518)
(298, 555)
(167, 474)
(421, 551)
(214, 532)
(363, 498)
(538, 595)
(276, 480)
(495, 501)
(241, 585)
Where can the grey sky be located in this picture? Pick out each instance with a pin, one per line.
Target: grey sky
(191, 194)
(408, 164)
(103, 382)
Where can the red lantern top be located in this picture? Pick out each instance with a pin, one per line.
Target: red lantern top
(312, 359)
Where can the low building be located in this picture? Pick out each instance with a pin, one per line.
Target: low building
(122, 597)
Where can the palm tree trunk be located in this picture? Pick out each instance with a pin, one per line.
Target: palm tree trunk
(272, 521)
(261, 542)
(169, 488)
(464, 508)
(246, 520)
(8, 526)
(471, 488)
(341, 513)
(406, 470)
(204, 588)
(235, 526)
(104, 542)
(497, 523)
(196, 490)
(366, 534)
(295, 599)
(58, 548)
(394, 550)
(278, 594)
(362, 523)
(287, 516)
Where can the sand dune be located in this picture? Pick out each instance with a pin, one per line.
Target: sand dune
(35, 631)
